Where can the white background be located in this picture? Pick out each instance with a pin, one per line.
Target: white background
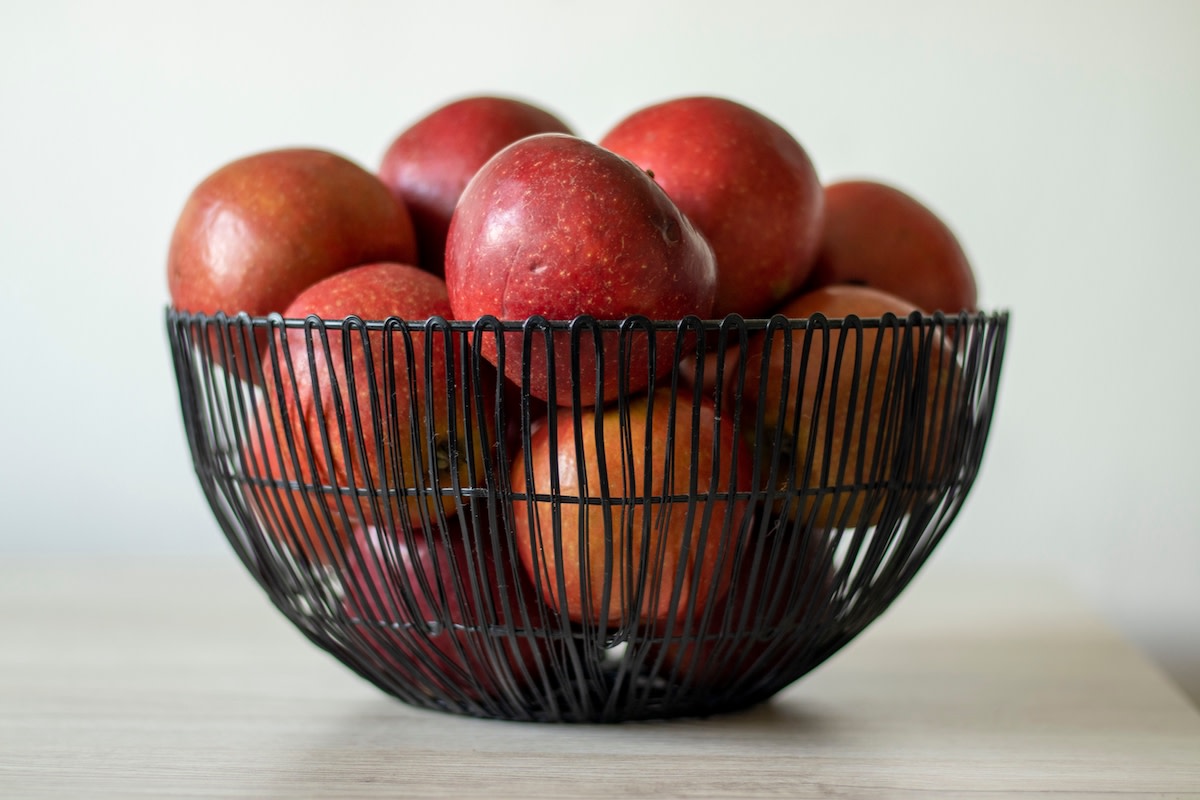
(1061, 140)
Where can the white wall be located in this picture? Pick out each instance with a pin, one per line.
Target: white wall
(1060, 139)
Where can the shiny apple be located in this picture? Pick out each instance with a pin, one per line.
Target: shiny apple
(555, 226)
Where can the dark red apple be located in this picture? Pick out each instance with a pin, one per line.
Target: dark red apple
(877, 235)
(840, 406)
(640, 519)
(378, 452)
(744, 181)
(556, 226)
(444, 614)
(259, 230)
(780, 593)
(429, 164)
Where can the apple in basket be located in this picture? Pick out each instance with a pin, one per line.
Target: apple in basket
(643, 520)
(780, 595)
(261, 229)
(843, 418)
(356, 419)
(429, 163)
(556, 226)
(443, 614)
(877, 235)
(743, 181)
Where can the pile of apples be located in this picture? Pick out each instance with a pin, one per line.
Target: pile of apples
(490, 206)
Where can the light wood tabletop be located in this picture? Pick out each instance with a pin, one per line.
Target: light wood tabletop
(178, 679)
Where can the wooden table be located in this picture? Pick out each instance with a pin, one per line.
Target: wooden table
(173, 679)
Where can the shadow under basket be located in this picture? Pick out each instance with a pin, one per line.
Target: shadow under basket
(588, 521)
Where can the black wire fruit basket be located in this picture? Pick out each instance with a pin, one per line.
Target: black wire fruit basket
(585, 520)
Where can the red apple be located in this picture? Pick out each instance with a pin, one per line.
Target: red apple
(619, 544)
(879, 236)
(428, 165)
(555, 226)
(839, 424)
(780, 592)
(259, 230)
(696, 370)
(282, 469)
(444, 614)
(373, 454)
(744, 181)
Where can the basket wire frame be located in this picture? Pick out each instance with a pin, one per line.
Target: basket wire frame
(410, 552)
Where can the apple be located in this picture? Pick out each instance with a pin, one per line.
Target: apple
(780, 592)
(877, 235)
(384, 451)
(744, 181)
(518, 422)
(556, 226)
(839, 424)
(695, 369)
(281, 468)
(616, 544)
(428, 165)
(259, 230)
(445, 614)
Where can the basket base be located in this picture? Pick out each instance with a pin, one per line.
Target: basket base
(607, 694)
(601, 711)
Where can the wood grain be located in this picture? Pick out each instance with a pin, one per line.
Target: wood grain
(174, 679)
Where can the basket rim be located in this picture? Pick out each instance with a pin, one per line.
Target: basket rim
(490, 323)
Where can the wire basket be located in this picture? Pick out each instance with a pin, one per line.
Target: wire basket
(747, 499)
